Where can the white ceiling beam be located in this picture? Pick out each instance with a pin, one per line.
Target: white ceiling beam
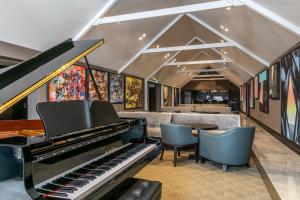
(189, 47)
(272, 16)
(230, 59)
(197, 62)
(208, 79)
(208, 75)
(168, 60)
(202, 70)
(167, 11)
(242, 48)
(165, 29)
(90, 24)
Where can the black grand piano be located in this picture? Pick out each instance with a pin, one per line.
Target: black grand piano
(87, 151)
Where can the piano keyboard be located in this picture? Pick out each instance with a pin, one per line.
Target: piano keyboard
(76, 182)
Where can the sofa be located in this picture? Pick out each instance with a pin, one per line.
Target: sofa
(204, 108)
(223, 121)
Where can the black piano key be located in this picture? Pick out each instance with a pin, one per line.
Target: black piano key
(62, 181)
(118, 161)
(45, 192)
(72, 176)
(96, 172)
(110, 164)
(105, 168)
(88, 177)
(81, 171)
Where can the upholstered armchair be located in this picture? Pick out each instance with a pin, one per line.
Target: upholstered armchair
(178, 136)
(233, 147)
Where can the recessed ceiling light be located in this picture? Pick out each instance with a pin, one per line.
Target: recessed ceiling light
(222, 27)
(157, 46)
(225, 52)
(144, 35)
(140, 38)
(167, 55)
(226, 29)
(228, 8)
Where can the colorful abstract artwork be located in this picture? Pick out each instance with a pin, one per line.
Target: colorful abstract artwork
(116, 88)
(256, 92)
(290, 97)
(69, 85)
(264, 91)
(101, 79)
(275, 81)
(251, 98)
(133, 92)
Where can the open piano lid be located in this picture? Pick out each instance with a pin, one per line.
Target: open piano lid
(24, 78)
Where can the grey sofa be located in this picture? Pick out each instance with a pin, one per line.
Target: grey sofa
(223, 121)
(233, 147)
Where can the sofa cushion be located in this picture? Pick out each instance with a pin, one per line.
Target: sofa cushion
(153, 118)
(223, 121)
(154, 132)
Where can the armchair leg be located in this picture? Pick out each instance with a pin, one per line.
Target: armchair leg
(162, 151)
(196, 149)
(178, 150)
(225, 167)
(175, 156)
(202, 160)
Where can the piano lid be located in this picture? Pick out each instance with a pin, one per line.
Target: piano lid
(24, 78)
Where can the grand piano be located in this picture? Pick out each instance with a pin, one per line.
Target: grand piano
(86, 151)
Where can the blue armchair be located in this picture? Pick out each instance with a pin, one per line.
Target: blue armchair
(178, 136)
(232, 147)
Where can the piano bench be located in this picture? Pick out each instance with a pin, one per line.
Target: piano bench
(143, 190)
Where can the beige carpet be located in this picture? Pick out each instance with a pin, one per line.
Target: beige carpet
(189, 181)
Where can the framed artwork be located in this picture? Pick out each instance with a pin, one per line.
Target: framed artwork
(116, 88)
(256, 92)
(275, 81)
(68, 85)
(176, 96)
(101, 79)
(290, 97)
(252, 100)
(167, 96)
(241, 93)
(133, 92)
(264, 91)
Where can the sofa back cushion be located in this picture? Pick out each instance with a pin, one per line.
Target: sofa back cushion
(223, 121)
(153, 118)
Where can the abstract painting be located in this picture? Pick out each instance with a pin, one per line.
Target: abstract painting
(264, 91)
(165, 96)
(68, 85)
(252, 100)
(275, 81)
(256, 87)
(290, 96)
(116, 88)
(133, 92)
(101, 79)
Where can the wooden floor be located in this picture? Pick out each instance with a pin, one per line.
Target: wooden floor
(189, 181)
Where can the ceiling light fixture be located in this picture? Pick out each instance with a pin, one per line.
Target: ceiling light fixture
(226, 29)
(228, 8)
(140, 38)
(225, 52)
(221, 26)
(157, 46)
(144, 35)
(167, 55)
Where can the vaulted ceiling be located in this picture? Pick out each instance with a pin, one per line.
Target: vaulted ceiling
(256, 33)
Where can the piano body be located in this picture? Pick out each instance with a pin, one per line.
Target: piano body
(87, 151)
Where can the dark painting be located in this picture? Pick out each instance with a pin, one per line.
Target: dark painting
(264, 91)
(275, 81)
